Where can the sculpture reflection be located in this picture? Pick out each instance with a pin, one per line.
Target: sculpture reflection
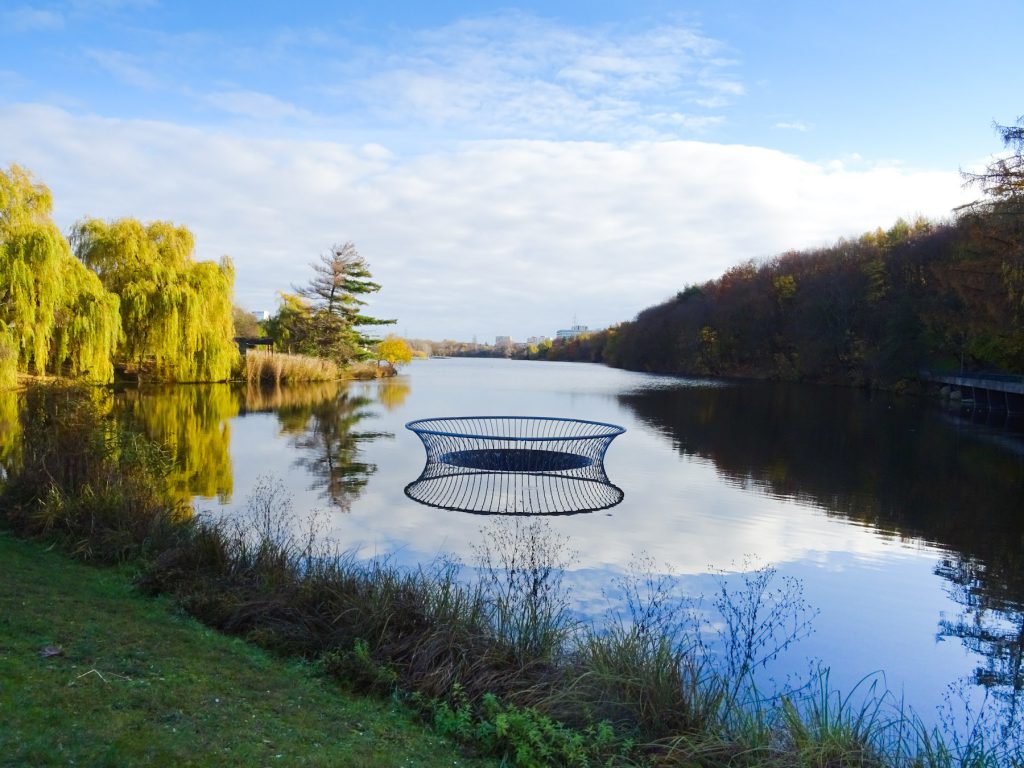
(515, 465)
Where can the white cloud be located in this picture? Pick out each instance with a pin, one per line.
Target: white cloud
(93, 6)
(260, 106)
(519, 75)
(11, 80)
(28, 19)
(793, 125)
(125, 67)
(488, 238)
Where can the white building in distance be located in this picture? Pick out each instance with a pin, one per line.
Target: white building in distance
(571, 333)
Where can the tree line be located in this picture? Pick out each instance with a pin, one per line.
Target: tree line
(868, 310)
(131, 295)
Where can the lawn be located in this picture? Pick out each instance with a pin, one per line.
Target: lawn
(133, 682)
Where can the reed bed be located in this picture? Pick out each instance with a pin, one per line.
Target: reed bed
(497, 660)
(278, 368)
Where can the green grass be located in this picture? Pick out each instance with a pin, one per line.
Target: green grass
(139, 684)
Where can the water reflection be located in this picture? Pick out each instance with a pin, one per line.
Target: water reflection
(853, 455)
(890, 464)
(322, 423)
(258, 398)
(10, 432)
(837, 488)
(992, 626)
(193, 423)
(522, 465)
(391, 393)
(320, 420)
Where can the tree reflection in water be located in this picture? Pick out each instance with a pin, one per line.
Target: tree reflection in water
(991, 626)
(192, 421)
(890, 464)
(391, 393)
(10, 432)
(322, 422)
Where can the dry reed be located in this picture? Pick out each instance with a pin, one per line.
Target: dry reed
(279, 368)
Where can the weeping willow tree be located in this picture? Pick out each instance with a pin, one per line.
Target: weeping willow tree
(55, 315)
(176, 313)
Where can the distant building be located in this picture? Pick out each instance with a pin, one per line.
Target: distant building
(536, 339)
(502, 341)
(260, 315)
(571, 333)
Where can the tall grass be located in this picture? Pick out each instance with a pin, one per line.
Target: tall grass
(498, 660)
(279, 368)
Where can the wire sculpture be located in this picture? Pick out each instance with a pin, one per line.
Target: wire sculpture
(515, 465)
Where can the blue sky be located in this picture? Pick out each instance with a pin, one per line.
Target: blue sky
(504, 168)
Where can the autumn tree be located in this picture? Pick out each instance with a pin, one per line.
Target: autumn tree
(176, 313)
(998, 218)
(394, 351)
(291, 327)
(1003, 180)
(55, 315)
(245, 323)
(341, 278)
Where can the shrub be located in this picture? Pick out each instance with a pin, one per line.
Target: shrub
(99, 488)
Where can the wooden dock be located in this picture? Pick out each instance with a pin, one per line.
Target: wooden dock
(984, 391)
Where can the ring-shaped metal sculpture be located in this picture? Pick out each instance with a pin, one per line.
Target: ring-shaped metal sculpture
(515, 465)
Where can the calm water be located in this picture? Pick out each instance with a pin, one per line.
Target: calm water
(905, 525)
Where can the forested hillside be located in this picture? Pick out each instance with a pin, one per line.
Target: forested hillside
(870, 310)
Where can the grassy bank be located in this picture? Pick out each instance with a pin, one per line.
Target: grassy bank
(137, 683)
(499, 662)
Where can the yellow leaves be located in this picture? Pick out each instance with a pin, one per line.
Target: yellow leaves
(785, 287)
(58, 317)
(394, 351)
(23, 201)
(176, 313)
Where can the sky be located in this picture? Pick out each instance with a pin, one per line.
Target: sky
(506, 169)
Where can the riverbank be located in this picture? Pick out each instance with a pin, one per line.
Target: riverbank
(93, 673)
(497, 661)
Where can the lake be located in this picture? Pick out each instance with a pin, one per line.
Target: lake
(902, 523)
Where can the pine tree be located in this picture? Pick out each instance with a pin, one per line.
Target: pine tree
(340, 279)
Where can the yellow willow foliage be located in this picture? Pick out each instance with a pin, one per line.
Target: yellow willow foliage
(60, 318)
(23, 201)
(175, 312)
(8, 358)
(10, 432)
(89, 327)
(193, 424)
